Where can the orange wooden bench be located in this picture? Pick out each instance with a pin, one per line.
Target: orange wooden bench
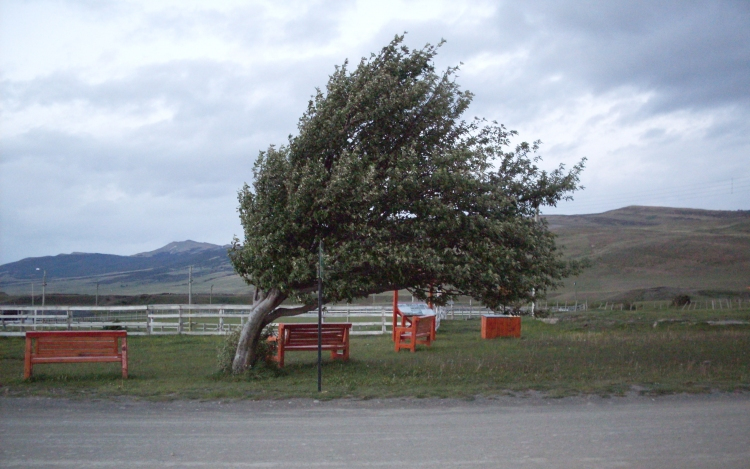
(411, 329)
(75, 347)
(414, 330)
(304, 337)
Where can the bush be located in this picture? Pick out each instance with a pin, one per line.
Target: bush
(680, 300)
(114, 327)
(226, 351)
(228, 347)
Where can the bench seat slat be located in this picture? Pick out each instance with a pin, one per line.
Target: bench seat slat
(74, 352)
(76, 345)
(309, 347)
(91, 359)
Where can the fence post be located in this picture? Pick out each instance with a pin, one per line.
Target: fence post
(70, 318)
(221, 320)
(179, 320)
(148, 320)
(382, 320)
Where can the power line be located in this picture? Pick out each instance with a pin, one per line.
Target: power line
(690, 191)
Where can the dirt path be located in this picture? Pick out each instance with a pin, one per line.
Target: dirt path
(582, 432)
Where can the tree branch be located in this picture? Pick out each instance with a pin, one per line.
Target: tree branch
(286, 312)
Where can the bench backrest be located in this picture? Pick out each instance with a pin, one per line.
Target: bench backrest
(76, 343)
(307, 334)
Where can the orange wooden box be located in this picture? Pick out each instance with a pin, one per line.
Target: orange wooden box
(496, 325)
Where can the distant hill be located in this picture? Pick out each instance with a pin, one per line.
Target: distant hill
(182, 247)
(636, 253)
(164, 270)
(654, 252)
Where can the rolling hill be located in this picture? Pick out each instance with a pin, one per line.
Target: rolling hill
(636, 253)
(643, 253)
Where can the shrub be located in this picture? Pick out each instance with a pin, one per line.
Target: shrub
(114, 327)
(680, 300)
(226, 351)
(228, 347)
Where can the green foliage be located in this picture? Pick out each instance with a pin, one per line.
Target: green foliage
(114, 327)
(228, 347)
(681, 300)
(402, 192)
(225, 351)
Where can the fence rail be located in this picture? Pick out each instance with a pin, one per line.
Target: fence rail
(222, 319)
(188, 319)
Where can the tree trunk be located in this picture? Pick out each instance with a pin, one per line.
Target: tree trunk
(265, 304)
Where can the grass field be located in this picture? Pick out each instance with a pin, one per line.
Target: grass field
(603, 353)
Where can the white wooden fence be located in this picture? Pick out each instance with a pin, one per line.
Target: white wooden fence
(190, 319)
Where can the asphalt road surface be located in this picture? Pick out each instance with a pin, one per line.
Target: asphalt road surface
(710, 431)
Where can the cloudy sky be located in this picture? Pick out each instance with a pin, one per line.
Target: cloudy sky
(127, 125)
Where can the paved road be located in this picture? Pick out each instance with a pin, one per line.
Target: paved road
(639, 432)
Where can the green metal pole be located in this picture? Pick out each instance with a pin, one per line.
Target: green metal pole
(320, 315)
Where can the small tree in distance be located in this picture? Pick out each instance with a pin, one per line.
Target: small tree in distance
(404, 195)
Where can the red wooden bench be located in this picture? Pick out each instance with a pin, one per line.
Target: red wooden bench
(414, 330)
(75, 347)
(304, 337)
(411, 329)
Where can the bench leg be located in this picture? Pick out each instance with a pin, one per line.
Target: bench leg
(124, 358)
(27, 360)
(342, 354)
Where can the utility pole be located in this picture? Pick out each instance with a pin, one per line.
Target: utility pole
(97, 293)
(44, 284)
(211, 296)
(190, 285)
(32, 293)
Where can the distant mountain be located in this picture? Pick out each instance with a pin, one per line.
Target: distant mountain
(637, 253)
(162, 270)
(182, 247)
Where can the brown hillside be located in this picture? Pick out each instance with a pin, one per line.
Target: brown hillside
(653, 252)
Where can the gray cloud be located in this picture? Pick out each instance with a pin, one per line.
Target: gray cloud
(692, 54)
(112, 187)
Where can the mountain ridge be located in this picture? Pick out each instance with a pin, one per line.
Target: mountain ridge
(162, 270)
(635, 250)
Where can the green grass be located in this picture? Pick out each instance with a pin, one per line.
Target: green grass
(601, 353)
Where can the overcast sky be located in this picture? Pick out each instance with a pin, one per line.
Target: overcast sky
(127, 125)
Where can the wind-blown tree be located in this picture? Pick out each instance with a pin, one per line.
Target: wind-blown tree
(404, 195)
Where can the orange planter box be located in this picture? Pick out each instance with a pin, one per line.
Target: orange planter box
(497, 325)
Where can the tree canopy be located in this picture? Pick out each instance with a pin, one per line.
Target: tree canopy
(403, 193)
